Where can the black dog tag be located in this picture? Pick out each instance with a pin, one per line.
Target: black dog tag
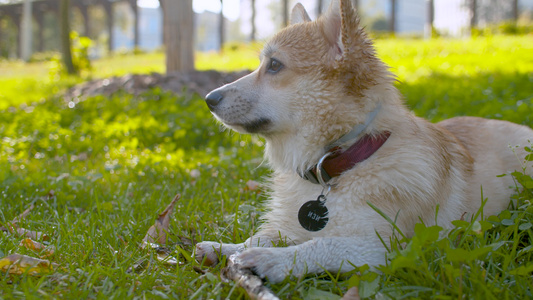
(313, 215)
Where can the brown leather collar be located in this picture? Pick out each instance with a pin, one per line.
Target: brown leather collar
(339, 161)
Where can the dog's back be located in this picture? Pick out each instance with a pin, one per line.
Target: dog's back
(496, 147)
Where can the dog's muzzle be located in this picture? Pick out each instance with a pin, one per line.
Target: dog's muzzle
(213, 99)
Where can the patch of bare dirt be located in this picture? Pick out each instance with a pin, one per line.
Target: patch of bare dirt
(200, 82)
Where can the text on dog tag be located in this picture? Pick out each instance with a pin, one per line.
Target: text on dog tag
(313, 215)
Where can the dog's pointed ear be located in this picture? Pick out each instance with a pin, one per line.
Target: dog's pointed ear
(350, 49)
(342, 30)
(332, 26)
(299, 14)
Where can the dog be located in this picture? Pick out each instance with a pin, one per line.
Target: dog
(341, 143)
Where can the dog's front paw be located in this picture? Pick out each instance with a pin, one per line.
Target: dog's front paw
(208, 253)
(273, 263)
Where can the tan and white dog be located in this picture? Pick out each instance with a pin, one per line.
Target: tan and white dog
(339, 137)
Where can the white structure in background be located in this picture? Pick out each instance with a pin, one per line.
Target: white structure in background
(410, 14)
(451, 17)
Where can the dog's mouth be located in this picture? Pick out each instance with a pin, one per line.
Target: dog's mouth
(260, 125)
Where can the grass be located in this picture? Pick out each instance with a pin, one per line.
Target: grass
(100, 172)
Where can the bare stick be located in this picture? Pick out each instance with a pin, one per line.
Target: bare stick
(252, 284)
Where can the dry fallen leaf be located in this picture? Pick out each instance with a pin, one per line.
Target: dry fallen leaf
(20, 264)
(157, 233)
(351, 294)
(32, 234)
(13, 227)
(36, 246)
(9, 226)
(23, 215)
(167, 259)
(252, 185)
(156, 237)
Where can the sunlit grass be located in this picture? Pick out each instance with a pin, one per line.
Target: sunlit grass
(412, 60)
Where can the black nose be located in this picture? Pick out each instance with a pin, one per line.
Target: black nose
(213, 99)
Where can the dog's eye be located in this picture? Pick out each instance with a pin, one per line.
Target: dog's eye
(274, 66)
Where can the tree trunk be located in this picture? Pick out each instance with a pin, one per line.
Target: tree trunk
(84, 10)
(392, 24)
(108, 7)
(65, 36)
(319, 4)
(285, 7)
(178, 19)
(221, 26)
(430, 16)
(39, 17)
(135, 10)
(17, 19)
(515, 11)
(26, 31)
(473, 14)
(252, 36)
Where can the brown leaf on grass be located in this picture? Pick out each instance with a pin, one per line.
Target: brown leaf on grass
(186, 241)
(351, 294)
(157, 233)
(20, 264)
(156, 237)
(138, 266)
(13, 227)
(162, 255)
(252, 185)
(167, 259)
(32, 234)
(23, 215)
(36, 246)
(9, 226)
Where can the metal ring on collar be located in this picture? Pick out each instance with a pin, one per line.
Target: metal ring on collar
(319, 173)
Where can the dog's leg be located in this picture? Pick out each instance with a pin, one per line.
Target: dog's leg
(315, 256)
(209, 252)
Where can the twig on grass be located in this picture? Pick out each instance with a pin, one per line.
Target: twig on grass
(247, 280)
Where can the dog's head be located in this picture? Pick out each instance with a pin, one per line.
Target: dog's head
(313, 84)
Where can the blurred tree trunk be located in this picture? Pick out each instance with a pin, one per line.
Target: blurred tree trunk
(26, 30)
(319, 4)
(108, 8)
(252, 36)
(473, 14)
(285, 7)
(515, 11)
(221, 26)
(392, 24)
(178, 20)
(135, 10)
(66, 51)
(39, 17)
(430, 16)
